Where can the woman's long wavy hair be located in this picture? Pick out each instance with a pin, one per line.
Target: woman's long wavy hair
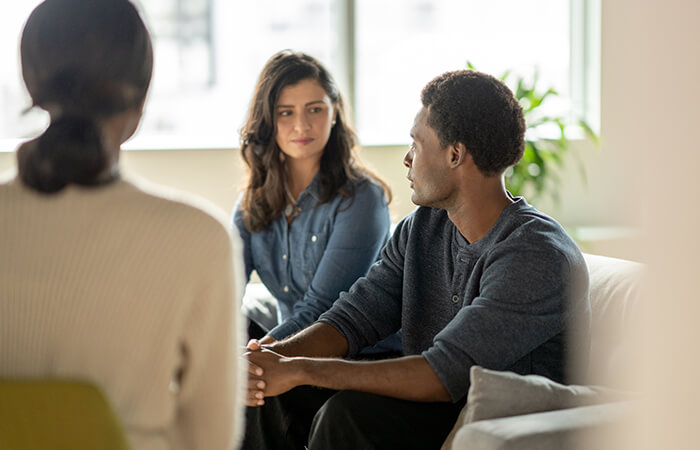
(264, 197)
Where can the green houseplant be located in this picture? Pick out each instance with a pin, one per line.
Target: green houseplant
(546, 142)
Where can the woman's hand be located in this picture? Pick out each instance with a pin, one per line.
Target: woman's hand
(279, 375)
(255, 391)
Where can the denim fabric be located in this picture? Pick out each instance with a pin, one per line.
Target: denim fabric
(326, 248)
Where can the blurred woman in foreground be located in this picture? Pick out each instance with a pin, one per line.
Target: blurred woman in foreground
(100, 279)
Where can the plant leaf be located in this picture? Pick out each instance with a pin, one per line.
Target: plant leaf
(547, 153)
(588, 131)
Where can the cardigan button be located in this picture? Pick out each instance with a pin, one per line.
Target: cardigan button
(455, 299)
(313, 238)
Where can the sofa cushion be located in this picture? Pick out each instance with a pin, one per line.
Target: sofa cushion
(585, 427)
(615, 285)
(494, 394)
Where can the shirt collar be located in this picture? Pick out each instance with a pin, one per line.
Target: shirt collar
(519, 204)
(313, 189)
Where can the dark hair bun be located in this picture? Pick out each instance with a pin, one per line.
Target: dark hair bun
(69, 152)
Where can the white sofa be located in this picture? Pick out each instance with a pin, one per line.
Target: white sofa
(507, 411)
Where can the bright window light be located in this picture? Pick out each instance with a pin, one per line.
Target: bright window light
(403, 44)
(208, 54)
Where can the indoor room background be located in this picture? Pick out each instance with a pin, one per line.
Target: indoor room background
(209, 52)
(628, 67)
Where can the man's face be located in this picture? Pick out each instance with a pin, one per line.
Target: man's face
(428, 164)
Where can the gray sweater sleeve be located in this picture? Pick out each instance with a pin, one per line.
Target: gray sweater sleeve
(371, 310)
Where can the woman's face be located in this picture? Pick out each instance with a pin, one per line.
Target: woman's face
(305, 116)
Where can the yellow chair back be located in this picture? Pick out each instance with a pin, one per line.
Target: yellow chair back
(57, 415)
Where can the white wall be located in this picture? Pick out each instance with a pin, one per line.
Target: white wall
(218, 175)
(651, 112)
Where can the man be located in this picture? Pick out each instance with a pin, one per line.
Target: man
(471, 277)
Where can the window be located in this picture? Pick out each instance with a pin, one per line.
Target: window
(208, 56)
(13, 97)
(403, 44)
(210, 52)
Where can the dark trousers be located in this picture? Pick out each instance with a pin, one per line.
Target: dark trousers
(255, 330)
(326, 419)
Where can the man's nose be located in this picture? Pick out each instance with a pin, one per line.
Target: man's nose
(407, 159)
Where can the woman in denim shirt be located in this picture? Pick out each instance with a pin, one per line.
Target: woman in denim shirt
(312, 219)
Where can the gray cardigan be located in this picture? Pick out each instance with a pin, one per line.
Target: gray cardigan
(513, 300)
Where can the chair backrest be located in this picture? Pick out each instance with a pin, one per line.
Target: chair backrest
(615, 287)
(57, 415)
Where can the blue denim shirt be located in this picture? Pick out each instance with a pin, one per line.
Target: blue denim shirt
(322, 252)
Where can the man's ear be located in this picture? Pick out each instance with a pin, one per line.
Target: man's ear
(458, 154)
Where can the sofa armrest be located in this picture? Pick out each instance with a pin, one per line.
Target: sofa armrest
(552, 430)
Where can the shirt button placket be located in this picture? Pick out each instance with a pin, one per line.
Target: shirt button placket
(285, 258)
(461, 270)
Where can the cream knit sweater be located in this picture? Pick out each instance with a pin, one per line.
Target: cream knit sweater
(126, 289)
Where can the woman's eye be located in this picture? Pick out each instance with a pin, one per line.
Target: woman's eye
(285, 113)
(315, 109)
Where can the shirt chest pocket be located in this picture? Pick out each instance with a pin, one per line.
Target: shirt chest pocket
(314, 246)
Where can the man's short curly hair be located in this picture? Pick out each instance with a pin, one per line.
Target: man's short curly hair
(479, 111)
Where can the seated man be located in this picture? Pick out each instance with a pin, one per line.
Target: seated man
(473, 276)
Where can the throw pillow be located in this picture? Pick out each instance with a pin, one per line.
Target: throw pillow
(493, 394)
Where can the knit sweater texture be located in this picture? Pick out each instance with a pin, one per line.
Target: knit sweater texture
(134, 291)
(516, 299)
